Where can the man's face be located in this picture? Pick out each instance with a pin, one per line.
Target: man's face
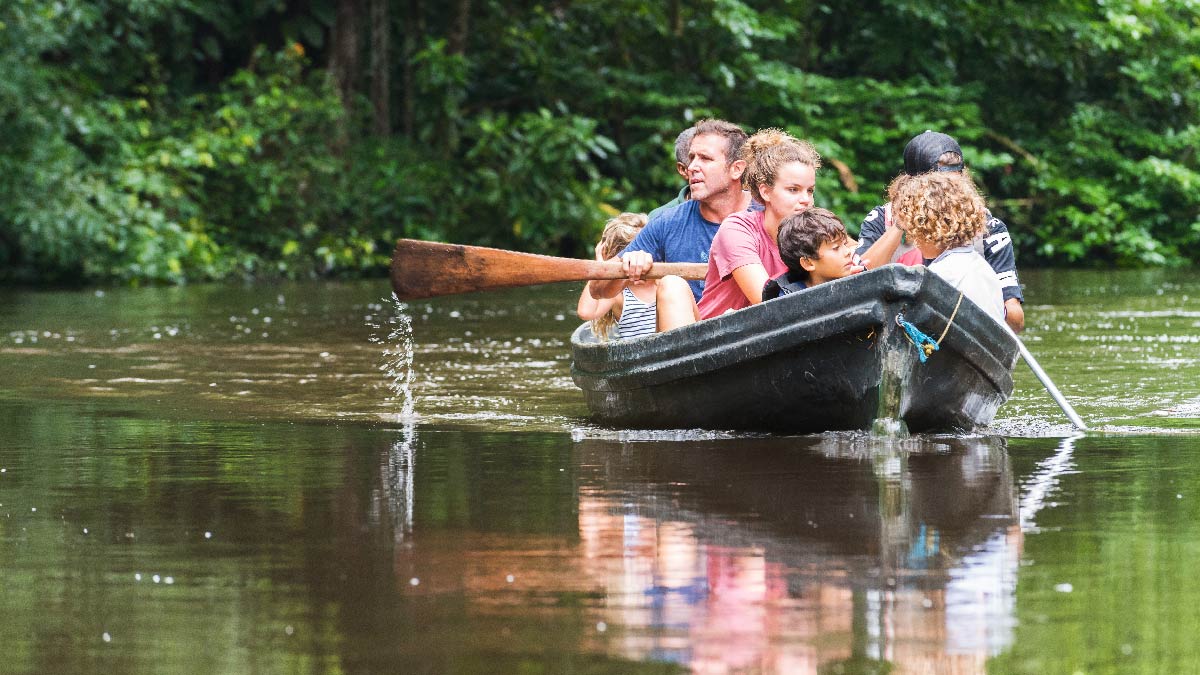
(709, 173)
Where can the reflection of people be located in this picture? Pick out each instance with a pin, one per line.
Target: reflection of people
(631, 312)
(942, 213)
(815, 247)
(683, 146)
(687, 579)
(882, 243)
(684, 233)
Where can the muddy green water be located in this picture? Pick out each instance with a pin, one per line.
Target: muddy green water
(313, 479)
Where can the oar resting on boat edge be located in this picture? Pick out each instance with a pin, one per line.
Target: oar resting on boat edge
(426, 269)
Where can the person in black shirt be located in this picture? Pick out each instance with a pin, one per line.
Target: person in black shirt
(881, 242)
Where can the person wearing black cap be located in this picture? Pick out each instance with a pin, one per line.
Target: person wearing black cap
(881, 242)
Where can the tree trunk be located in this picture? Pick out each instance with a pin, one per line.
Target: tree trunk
(459, 28)
(413, 30)
(381, 30)
(676, 19)
(456, 45)
(343, 61)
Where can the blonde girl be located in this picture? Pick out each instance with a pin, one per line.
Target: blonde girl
(632, 313)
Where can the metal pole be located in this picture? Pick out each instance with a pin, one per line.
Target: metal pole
(1045, 380)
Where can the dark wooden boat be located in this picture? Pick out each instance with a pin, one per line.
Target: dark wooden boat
(829, 358)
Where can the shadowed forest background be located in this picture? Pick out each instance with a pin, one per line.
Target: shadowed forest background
(189, 140)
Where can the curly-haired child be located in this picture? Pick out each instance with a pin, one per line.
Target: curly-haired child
(632, 312)
(942, 212)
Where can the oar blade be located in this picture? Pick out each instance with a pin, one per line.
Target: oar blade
(425, 269)
(422, 269)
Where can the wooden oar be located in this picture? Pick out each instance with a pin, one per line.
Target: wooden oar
(425, 269)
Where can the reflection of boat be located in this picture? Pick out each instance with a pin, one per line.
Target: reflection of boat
(808, 549)
(831, 357)
(797, 555)
(829, 493)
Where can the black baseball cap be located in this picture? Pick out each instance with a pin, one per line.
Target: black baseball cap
(922, 152)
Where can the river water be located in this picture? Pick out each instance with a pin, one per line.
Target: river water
(312, 478)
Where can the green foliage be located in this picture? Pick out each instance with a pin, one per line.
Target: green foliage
(222, 184)
(537, 183)
(180, 140)
(264, 151)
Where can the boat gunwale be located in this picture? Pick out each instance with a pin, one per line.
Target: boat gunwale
(757, 331)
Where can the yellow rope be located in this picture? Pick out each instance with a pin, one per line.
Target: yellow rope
(951, 320)
(925, 344)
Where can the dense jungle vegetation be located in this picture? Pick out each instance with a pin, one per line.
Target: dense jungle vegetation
(185, 140)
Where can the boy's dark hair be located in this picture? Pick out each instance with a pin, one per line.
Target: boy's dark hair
(802, 234)
(735, 137)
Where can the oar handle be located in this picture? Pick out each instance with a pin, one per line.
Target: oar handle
(611, 269)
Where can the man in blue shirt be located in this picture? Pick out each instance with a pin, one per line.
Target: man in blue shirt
(684, 233)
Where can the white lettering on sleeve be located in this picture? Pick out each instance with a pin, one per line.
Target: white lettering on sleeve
(1006, 279)
(998, 241)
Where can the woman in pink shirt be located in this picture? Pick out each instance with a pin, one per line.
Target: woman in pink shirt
(781, 176)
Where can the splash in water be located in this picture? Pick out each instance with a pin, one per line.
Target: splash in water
(392, 500)
(397, 363)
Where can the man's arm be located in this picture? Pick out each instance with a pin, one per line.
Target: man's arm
(998, 251)
(884, 248)
(636, 260)
(878, 238)
(1014, 314)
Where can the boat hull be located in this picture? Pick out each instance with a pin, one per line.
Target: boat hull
(829, 358)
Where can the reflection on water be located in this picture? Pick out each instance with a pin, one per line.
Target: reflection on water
(768, 555)
(1043, 483)
(395, 494)
(789, 556)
